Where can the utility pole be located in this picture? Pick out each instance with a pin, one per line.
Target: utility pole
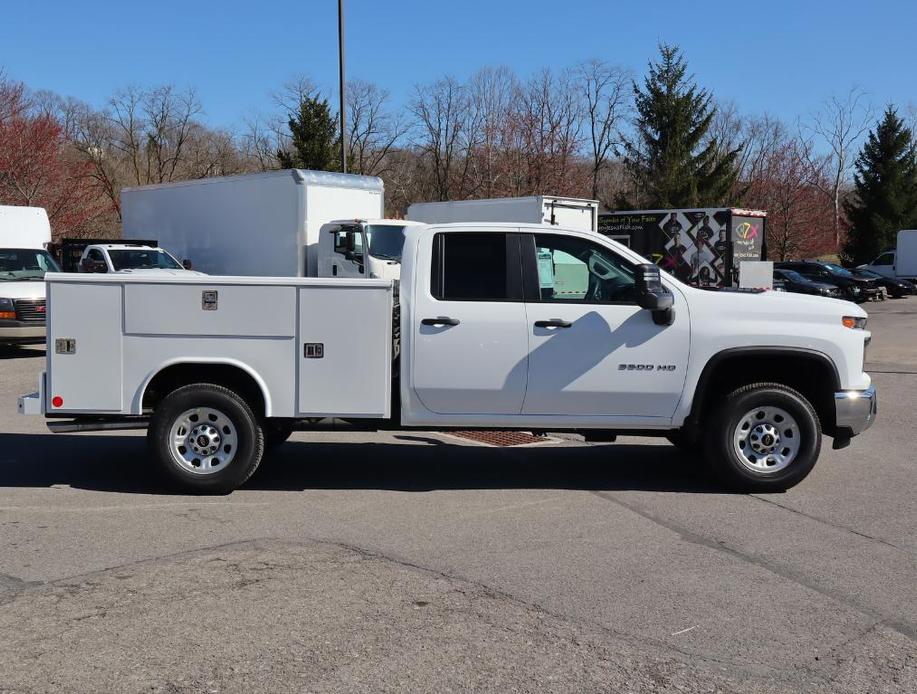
(341, 74)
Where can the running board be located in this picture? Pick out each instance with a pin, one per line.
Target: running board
(91, 424)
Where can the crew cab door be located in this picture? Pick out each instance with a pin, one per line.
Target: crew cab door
(469, 328)
(592, 350)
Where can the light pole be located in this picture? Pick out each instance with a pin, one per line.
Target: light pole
(341, 75)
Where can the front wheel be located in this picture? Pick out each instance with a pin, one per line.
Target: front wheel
(205, 439)
(765, 437)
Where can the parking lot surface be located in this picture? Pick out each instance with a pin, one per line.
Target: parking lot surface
(414, 561)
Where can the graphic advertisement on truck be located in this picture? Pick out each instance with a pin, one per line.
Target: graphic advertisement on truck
(701, 247)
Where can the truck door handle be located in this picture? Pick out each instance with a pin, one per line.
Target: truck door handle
(441, 320)
(553, 323)
(334, 270)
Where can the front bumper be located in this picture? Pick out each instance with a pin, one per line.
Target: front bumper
(855, 410)
(19, 333)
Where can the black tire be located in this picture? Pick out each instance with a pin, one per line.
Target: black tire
(276, 432)
(721, 440)
(248, 439)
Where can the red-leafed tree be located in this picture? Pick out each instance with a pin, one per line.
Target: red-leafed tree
(39, 168)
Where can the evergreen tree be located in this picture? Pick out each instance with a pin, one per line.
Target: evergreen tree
(314, 138)
(885, 184)
(672, 161)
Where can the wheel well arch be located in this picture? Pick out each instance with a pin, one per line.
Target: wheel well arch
(230, 374)
(808, 371)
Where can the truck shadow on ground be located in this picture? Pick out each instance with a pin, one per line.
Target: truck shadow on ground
(122, 464)
(21, 352)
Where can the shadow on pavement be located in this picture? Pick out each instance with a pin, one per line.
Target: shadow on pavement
(14, 352)
(122, 464)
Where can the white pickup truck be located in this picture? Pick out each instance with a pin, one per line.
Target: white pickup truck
(501, 326)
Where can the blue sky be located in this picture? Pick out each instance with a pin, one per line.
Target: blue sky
(770, 55)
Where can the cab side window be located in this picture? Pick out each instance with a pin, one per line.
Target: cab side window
(472, 266)
(885, 259)
(572, 269)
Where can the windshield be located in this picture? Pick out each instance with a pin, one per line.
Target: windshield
(791, 275)
(838, 270)
(17, 264)
(142, 259)
(385, 241)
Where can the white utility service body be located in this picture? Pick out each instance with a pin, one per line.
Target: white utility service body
(900, 263)
(559, 211)
(492, 335)
(263, 224)
(24, 237)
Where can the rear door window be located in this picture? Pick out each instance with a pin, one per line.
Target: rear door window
(473, 266)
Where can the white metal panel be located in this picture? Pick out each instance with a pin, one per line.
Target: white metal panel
(24, 227)
(570, 213)
(238, 225)
(327, 203)
(352, 375)
(178, 309)
(89, 380)
(521, 210)
(271, 362)
(906, 254)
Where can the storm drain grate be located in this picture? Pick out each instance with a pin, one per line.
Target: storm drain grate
(501, 438)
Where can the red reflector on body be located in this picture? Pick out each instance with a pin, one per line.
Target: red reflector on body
(57, 401)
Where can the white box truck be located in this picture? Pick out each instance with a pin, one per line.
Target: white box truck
(900, 263)
(264, 224)
(568, 213)
(24, 237)
(217, 368)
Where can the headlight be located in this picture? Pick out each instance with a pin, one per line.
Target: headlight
(854, 322)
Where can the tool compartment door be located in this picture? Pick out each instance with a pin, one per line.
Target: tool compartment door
(345, 350)
(84, 347)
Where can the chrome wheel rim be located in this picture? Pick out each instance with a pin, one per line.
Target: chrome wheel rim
(203, 440)
(767, 440)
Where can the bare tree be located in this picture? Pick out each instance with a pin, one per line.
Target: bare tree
(841, 124)
(441, 110)
(372, 130)
(606, 103)
(490, 93)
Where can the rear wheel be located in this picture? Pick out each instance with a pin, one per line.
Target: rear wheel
(765, 437)
(205, 439)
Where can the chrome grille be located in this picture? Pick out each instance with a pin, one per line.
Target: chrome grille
(30, 310)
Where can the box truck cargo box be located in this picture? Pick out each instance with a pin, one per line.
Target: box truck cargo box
(568, 213)
(264, 224)
(703, 247)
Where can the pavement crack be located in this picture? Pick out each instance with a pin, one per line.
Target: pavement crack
(825, 521)
(901, 626)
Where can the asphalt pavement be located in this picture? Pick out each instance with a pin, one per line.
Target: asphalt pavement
(413, 561)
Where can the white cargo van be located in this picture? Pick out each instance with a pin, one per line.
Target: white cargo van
(264, 224)
(568, 213)
(24, 237)
(900, 263)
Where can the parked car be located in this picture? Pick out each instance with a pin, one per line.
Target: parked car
(792, 281)
(896, 288)
(855, 288)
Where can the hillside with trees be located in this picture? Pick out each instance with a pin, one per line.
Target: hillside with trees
(591, 130)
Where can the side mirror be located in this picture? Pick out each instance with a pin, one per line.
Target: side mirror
(186, 263)
(651, 295)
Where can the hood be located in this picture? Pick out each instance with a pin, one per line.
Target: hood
(33, 289)
(158, 272)
(776, 304)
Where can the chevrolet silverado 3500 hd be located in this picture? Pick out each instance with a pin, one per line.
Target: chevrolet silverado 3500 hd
(501, 326)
